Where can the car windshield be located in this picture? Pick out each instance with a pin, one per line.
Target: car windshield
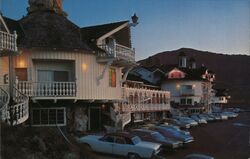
(157, 136)
(136, 140)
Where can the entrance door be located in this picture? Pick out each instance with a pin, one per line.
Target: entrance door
(95, 119)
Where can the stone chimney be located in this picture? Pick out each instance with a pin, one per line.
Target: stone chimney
(41, 5)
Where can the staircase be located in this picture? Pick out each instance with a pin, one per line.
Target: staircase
(18, 111)
(126, 118)
(4, 101)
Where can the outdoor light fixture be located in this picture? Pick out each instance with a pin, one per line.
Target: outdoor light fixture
(134, 20)
(84, 67)
(21, 64)
(178, 86)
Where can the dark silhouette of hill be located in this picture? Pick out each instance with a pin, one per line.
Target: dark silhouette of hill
(232, 71)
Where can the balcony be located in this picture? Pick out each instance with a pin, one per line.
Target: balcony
(8, 42)
(187, 92)
(122, 55)
(47, 90)
(145, 100)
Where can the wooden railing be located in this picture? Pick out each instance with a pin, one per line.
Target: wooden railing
(119, 52)
(47, 89)
(8, 41)
(143, 100)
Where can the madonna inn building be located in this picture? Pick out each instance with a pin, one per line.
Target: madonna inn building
(66, 75)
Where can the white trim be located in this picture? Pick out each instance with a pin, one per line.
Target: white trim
(48, 108)
(99, 40)
(4, 24)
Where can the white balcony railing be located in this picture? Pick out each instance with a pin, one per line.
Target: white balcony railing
(47, 89)
(143, 100)
(118, 52)
(8, 41)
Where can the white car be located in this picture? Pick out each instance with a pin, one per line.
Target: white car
(123, 144)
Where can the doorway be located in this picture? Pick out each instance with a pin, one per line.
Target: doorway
(95, 119)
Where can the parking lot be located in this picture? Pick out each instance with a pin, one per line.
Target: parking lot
(227, 139)
(224, 140)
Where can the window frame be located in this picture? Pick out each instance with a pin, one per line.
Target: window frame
(111, 82)
(49, 125)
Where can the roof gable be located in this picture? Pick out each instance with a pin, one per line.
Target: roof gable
(101, 31)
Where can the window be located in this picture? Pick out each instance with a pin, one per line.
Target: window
(49, 75)
(112, 77)
(21, 74)
(189, 101)
(183, 101)
(48, 117)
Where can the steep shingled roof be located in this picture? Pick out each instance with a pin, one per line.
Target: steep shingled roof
(46, 29)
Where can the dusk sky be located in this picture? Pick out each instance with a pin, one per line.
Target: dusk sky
(221, 26)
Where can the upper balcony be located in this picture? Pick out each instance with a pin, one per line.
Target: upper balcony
(121, 55)
(8, 43)
(145, 100)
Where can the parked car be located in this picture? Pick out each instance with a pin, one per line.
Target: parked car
(198, 119)
(235, 110)
(186, 120)
(176, 128)
(170, 133)
(153, 136)
(198, 156)
(230, 114)
(175, 122)
(206, 117)
(123, 144)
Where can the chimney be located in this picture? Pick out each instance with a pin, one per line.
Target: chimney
(182, 58)
(59, 5)
(40, 5)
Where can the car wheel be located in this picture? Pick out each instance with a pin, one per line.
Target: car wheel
(133, 156)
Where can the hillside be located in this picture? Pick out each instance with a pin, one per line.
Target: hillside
(232, 71)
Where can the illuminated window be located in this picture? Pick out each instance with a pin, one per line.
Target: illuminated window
(112, 77)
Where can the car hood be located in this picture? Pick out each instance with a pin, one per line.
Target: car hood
(88, 137)
(152, 145)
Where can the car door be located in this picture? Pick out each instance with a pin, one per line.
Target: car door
(121, 147)
(105, 144)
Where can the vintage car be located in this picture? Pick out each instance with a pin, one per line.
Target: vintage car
(156, 137)
(170, 133)
(122, 143)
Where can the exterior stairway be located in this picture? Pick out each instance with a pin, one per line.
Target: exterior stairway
(18, 111)
(120, 119)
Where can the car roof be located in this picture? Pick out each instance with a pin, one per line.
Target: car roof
(122, 134)
(144, 130)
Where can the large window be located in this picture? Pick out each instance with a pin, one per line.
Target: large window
(48, 117)
(49, 75)
(112, 77)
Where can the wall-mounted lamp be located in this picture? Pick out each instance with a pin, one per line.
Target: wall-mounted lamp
(21, 64)
(84, 67)
(178, 86)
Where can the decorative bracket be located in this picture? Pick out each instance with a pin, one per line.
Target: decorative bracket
(103, 71)
(126, 74)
